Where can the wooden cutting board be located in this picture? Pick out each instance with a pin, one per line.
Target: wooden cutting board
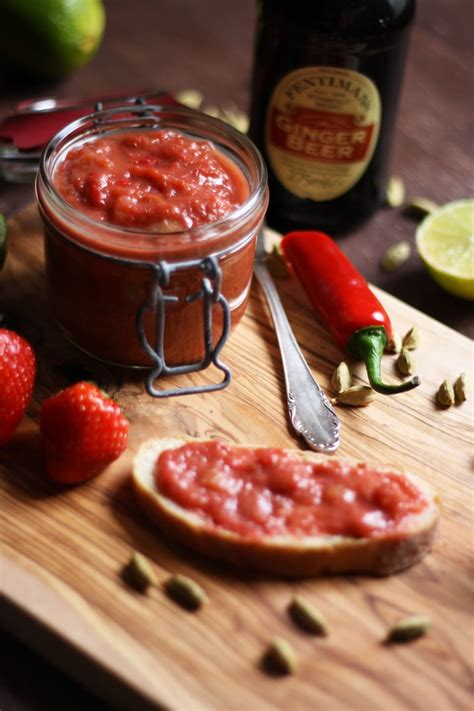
(63, 550)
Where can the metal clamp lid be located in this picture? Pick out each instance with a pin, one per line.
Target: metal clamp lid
(210, 294)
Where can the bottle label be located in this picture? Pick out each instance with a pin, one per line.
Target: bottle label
(321, 130)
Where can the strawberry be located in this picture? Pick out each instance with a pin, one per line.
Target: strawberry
(17, 377)
(82, 431)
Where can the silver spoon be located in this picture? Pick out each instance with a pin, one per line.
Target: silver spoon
(309, 409)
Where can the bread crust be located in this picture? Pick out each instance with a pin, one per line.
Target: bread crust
(285, 555)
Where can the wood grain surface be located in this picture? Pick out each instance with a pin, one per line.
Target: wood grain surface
(64, 549)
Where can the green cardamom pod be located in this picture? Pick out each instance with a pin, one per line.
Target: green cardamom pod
(185, 591)
(342, 378)
(212, 110)
(190, 97)
(445, 395)
(232, 115)
(394, 344)
(396, 255)
(408, 628)
(356, 396)
(280, 657)
(420, 207)
(276, 264)
(139, 573)
(412, 339)
(461, 388)
(307, 617)
(395, 192)
(405, 362)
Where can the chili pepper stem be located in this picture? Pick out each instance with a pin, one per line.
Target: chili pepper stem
(368, 344)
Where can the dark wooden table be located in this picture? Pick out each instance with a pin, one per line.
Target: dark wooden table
(208, 45)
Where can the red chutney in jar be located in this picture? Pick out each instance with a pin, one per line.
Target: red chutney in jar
(157, 180)
(148, 195)
(269, 491)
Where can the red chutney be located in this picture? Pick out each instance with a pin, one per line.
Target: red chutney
(153, 180)
(267, 491)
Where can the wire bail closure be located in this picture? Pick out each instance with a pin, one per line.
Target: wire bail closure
(211, 296)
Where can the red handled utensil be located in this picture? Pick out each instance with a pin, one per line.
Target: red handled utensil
(25, 132)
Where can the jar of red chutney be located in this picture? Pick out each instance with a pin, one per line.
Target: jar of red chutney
(150, 216)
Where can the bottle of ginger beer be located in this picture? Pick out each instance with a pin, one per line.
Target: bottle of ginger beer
(327, 78)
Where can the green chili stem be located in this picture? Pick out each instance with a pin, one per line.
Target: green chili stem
(368, 344)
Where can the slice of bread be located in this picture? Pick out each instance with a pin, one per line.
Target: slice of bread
(289, 556)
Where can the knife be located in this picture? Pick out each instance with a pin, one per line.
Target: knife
(310, 411)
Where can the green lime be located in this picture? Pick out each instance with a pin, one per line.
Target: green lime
(445, 242)
(50, 38)
(3, 239)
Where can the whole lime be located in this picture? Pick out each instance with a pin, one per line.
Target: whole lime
(50, 38)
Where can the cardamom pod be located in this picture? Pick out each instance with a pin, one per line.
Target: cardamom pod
(342, 378)
(412, 339)
(408, 628)
(396, 255)
(445, 395)
(420, 207)
(461, 388)
(405, 362)
(356, 396)
(232, 115)
(276, 263)
(307, 617)
(185, 591)
(212, 110)
(394, 344)
(395, 192)
(280, 657)
(139, 573)
(190, 97)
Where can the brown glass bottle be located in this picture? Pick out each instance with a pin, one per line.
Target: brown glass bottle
(327, 78)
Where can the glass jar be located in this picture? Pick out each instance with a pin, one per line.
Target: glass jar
(116, 289)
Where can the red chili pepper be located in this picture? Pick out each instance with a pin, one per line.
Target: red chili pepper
(349, 309)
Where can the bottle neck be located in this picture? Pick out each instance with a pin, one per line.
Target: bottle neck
(337, 19)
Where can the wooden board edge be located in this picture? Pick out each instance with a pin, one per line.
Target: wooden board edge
(385, 295)
(62, 640)
(73, 662)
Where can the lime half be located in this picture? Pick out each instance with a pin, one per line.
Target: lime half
(3, 239)
(445, 242)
